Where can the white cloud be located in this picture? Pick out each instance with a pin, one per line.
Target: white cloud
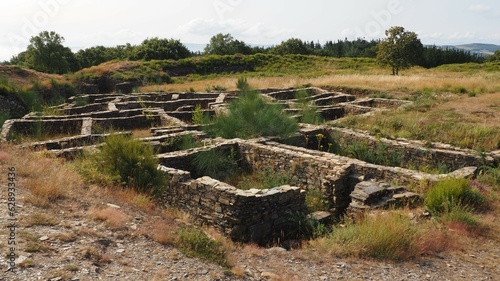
(239, 29)
(479, 8)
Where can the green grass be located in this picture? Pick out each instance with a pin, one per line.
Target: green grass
(388, 236)
(195, 242)
(264, 179)
(444, 127)
(449, 194)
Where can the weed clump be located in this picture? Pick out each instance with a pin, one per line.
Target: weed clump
(195, 242)
(127, 162)
(450, 194)
(384, 236)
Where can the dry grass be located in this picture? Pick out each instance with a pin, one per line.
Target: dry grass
(114, 218)
(107, 67)
(48, 180)
(40, 219)
(161, 231)
(414, 80)
(141, 133)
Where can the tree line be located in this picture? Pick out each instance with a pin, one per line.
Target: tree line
(46, 52)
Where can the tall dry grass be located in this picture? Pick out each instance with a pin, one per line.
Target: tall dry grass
(414, 80)
(48, 180)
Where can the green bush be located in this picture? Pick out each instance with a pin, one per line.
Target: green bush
(4, 116)
(127, 162)
(215, 163)
(251, 116)
(449, 193)
(195, 242)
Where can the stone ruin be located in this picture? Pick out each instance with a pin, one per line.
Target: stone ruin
(260, 216)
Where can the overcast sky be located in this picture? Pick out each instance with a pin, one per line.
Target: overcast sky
(110, 22)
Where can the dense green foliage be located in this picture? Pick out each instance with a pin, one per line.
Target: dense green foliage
(494, 57)
(251, 116)
(99, 54)
(127, 162)
(46, 52)
(160, 49)
(400, 50)
(450, 193)
(225, 44)
(215, 163)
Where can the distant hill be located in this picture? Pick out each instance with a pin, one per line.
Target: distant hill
(479, 48)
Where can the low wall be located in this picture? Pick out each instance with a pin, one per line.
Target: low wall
(309, 169)
(258, 216)
(412, 154)
(49, 128)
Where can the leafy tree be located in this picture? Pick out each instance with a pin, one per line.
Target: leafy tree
(401, 49)
(99, 54)
(46, 53)
(160, 49)
(225, 44)
(292, 46)
(494, 57)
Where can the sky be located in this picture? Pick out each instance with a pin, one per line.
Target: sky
(88, 23)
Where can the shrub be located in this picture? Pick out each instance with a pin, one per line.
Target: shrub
(127, 162)
(451, 193)
(251, 116)
(215, 163)
(4, 116)
(196, 242)
(198, 116)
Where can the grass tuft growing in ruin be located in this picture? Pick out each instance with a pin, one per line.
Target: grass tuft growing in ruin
(388, 236)
(448, 195)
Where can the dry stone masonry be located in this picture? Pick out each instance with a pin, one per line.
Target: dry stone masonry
(259, 216)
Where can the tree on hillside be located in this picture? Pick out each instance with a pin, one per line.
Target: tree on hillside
(46, 53)
(291, 46)
(401, 49)
(494, 57)
(225, 44)
(160, 49)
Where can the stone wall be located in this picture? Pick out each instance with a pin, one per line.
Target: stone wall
(258, 216)
(308, 169)
(413, 153)
(25, 127)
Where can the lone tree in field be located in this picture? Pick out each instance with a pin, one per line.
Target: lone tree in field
(401, 49)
